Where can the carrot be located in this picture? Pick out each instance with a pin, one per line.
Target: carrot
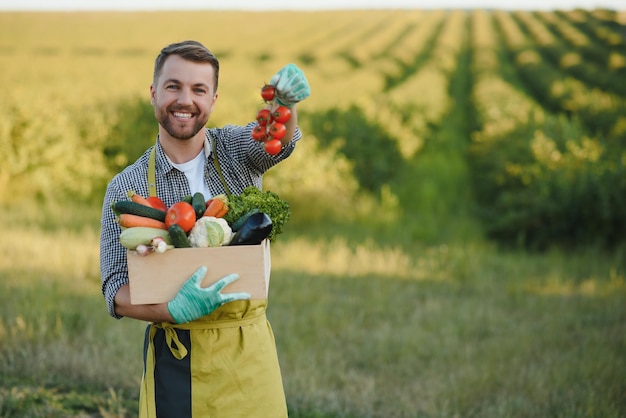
(214, 206)
(222, 212)
(127, 220)
(137, 198)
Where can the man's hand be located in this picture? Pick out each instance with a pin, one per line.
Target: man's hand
(193, 302)
(291, 85)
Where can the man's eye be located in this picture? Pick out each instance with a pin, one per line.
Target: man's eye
(171, 87)
(200, 91)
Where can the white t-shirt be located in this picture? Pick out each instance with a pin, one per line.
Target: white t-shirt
(194, 171)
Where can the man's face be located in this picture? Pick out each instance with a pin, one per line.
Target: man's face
(183, 97)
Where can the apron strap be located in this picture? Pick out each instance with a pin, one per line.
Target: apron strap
(217, 164)
(152, 173)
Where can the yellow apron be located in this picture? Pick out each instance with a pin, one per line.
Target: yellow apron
(221, 365)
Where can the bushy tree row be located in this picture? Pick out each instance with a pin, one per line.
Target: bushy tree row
(573, 52)
(542, 174)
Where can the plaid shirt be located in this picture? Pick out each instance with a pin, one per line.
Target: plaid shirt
(242, 161)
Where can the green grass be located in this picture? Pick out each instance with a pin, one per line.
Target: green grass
(475, 331)
(437, 349)
(62, 354)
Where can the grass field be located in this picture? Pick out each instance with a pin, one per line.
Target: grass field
(460, 330)
(388, 297)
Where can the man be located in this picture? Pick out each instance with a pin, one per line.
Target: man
(206, 354)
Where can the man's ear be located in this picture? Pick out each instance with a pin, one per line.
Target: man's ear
(213, 102)
(152, 93)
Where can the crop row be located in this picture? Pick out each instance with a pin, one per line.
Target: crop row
(418, 102)
(539, 174)
(602, 112)
(601, 26)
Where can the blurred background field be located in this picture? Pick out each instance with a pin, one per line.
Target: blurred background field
(456, 246)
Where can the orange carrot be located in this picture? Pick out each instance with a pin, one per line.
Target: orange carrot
(137, 198)
(127, 220)
(213, 207)
(222, 212)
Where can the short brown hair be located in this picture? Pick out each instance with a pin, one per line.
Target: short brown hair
(189, 50)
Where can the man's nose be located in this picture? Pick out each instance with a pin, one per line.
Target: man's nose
(184, 97)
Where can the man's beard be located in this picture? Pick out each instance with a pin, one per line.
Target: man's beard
(175, 132)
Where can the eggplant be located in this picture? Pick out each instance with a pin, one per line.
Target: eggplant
(257, 227)
(243, 218)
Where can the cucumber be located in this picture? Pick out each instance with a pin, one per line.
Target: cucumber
(132, 237)
(130, 207)
(178, 237)
(242, 219)
(187, 198)
(199, 204)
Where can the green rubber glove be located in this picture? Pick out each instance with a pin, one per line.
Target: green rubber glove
(291, 85)
(193, 302)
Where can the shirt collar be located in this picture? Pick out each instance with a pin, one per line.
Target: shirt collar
(163, 163)
(207, 144)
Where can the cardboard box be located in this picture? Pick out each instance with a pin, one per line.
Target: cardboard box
(157, 278)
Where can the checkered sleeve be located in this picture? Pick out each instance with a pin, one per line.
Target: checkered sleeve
(243, 160)
(113, 265)
(113, 268)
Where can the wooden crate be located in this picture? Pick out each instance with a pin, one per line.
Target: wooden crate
(157, 278)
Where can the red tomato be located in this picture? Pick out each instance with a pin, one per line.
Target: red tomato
(277, 130)
(273, 146)
(264, 117)
(259, 133)
(281, 114)
(156, 203)
(181, 213)
(268, 92)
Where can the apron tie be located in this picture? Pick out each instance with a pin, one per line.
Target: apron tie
(178, 349)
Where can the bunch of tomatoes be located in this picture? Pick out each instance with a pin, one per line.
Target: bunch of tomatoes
(271, 123)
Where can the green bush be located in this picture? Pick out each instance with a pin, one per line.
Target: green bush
(373, 153)
(547, 183)
(134, 130)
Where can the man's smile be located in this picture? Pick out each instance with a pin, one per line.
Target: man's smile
(182, 115)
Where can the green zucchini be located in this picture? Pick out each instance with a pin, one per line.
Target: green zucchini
(133, 208)
(132, 237)
(178, 237)
(199, 204)
(242, 219)
(187, 198)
